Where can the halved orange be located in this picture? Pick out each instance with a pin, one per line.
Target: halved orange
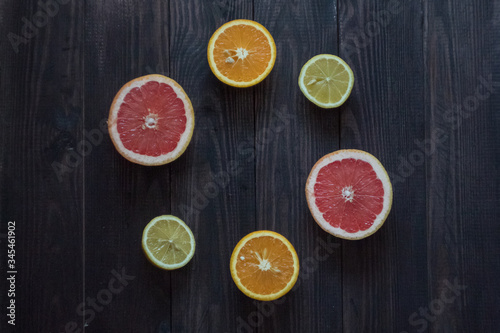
(151, 120)
(264, 265)
(349, 193)
(241, 53)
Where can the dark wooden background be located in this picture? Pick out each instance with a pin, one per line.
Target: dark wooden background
(422, 69)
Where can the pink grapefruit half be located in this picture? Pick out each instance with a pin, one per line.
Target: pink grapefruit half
(151, 120)
(349, 194)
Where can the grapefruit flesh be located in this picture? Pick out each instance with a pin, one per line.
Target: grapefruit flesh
(151, 119)
(349, 194)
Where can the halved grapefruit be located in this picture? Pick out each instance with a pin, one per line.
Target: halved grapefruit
(151, 120)
(349, 194)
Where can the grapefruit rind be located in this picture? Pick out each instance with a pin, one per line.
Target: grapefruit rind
(234, 259)
(381, 174)
(145, 159)
(151, 258)
(223, 78)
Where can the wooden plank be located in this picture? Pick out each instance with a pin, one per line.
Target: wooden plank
(425, 72)
(291, 135)
(123, 40)
(41, 116)
(219, 209)
(385, 276)
(462, 101)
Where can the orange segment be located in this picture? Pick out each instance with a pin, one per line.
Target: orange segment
(241, 53)
(264, 265)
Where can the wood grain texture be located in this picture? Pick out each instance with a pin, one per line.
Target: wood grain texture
(41, 94)
(291, 135)
(385, 275)
(213, 183)
(461, 54)
(123, 40)
(425, 102)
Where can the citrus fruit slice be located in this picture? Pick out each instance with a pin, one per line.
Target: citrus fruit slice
(151, 120)
(241, 53)
(264, 265)
(326, 80)
(349, 194)
(168, 242)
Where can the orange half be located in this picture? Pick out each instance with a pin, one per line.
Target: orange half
(264, 265)
(241, 53)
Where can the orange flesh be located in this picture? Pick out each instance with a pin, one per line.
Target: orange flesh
(264, 265)
(248, 42)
